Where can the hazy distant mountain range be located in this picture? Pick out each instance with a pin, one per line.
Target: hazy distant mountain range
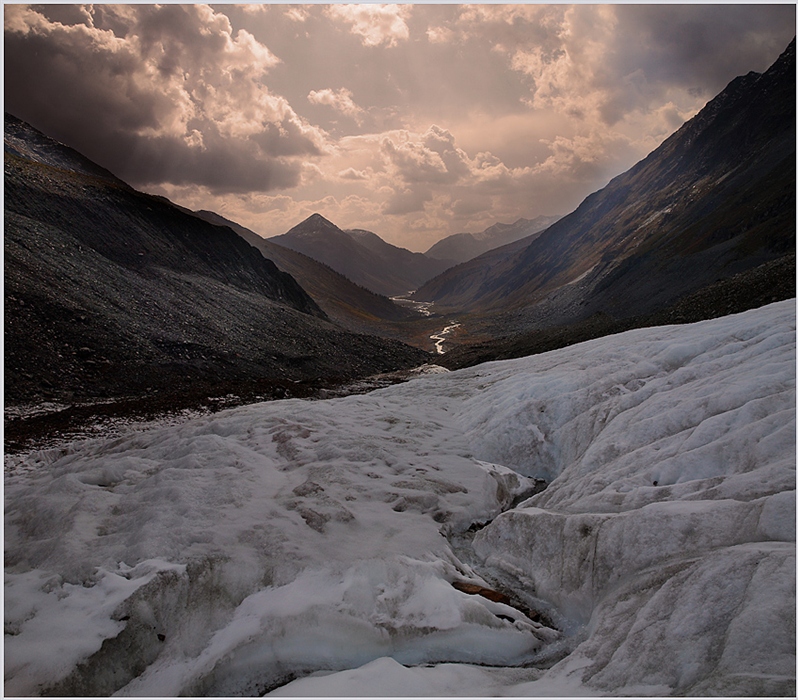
(715, 199)
(362, 256)
(464, 246)
(110, 292)
(367, 260)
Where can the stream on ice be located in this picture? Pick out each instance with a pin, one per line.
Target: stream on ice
(319, 541)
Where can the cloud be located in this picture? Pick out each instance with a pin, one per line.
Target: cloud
(440, 35)
(426, 159)
(297, 14)
(604, 64)
(406, 201)
(352, 174)
(413, 121)
(158, 93)
(471, 206)
(375, 24)
(429, 173)
(340, 100)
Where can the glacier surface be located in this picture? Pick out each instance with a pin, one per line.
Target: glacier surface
(310, 547)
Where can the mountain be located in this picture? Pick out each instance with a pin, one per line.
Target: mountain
(715, 199)
(361, 256)
(465, 246)
(112, 293)
(347, 303)
(416, 268)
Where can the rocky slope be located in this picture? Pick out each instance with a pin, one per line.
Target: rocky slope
(715, 199)
(770, 282)
(361, 256)
(465, 246)
(112, 293)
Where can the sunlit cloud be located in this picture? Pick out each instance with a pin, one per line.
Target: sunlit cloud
(441, 35)
(375, 24)
(340, 100)
(297, 14)
(352, 174)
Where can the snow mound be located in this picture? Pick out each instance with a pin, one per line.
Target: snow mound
(236, 552)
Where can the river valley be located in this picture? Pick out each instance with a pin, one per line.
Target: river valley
(425, 309)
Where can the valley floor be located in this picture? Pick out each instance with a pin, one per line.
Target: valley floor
(334, 547)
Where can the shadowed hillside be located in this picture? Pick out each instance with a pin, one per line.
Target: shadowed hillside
(111, 293)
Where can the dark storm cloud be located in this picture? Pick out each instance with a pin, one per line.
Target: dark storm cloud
(168, 93)
(695, 47)
(230, 169)
(702, 45)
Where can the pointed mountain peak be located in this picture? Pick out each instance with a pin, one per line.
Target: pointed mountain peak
(314, 225)
(318, 220)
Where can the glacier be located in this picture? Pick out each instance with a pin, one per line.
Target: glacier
(310, 547)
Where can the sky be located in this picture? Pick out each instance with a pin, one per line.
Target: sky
(412, 121)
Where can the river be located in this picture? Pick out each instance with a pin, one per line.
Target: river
(440, 337)
(425, 309)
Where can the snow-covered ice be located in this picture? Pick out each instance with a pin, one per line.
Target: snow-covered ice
(318, 540)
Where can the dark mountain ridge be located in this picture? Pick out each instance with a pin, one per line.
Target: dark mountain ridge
(25, 142)
(416, 268)
(55, 188)
(112, 293)
(715, 199)
(361, 256)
